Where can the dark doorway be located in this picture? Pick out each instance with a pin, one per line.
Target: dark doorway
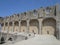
(2, 40)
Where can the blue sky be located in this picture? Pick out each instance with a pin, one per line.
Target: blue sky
(10, 7)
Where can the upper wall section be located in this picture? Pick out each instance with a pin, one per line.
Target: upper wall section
(34, 14)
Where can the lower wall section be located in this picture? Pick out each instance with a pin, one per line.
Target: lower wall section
(2, 29)
(11, 28)
(16, 28)
(23, 28)
(33, 29)
(48, 30)
(6, 28)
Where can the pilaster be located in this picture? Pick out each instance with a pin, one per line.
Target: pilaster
(19, 25)
(13, 26)
(58, 29)
(4, 26)
(40, 26)
(27, 26)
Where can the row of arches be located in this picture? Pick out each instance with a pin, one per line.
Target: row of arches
(33, 26)
(48, 26)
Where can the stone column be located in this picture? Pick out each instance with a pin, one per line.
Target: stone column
(20, 26)
(4, 26)
(8, 26)
(27, 26)
(40, 26)
(13, 26)
(58, 30)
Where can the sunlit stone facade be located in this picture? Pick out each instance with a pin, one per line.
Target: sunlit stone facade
(39, 21)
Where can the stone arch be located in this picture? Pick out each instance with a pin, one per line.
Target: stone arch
(33, 28)
(16, 26)
(16, 23)
(2, 26)
(6, 26)
(10, 23)
(49, 26)
(23, 26)
(11, 26)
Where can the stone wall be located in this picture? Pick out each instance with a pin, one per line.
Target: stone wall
(34, 21)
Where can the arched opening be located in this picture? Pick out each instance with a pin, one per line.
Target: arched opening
(49, 26)
(16, 26)
(2, 26)
(10, 26)
(16, 23)
(10, 23)
(6, 26)
(33, 28)
(23, 26)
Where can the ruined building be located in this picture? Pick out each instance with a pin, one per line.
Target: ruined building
(39, 21)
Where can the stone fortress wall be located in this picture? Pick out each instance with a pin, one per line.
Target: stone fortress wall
(38, 21)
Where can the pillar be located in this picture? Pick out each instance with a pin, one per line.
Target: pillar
(8, 27)
(58, 30)
(20, 26)
(4, 26)
(13, 26)
(40, 26)
(27, 26)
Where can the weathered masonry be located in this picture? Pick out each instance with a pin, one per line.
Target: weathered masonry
(40, 21)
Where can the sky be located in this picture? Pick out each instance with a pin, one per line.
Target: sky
(10, 7)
